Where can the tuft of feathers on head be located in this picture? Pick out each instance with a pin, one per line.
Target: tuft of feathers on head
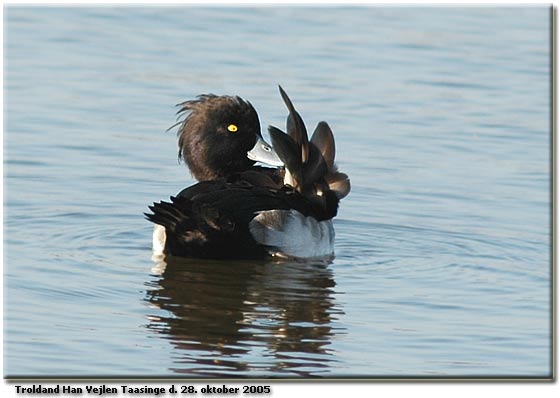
(203, 103)
(215, 133)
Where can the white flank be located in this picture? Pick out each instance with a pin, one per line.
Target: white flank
(158, 240)
(289, 233)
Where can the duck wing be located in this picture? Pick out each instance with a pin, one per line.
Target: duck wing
(295, 126)
(323, 140)
(211, 219)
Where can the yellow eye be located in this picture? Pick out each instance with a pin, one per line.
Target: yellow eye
(232, 128)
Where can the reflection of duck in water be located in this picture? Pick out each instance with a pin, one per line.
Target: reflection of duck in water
(240, 212)
(263, 319)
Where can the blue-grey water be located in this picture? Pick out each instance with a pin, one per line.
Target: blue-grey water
(443, 248)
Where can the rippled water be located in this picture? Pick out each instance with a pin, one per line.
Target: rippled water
(442, 121)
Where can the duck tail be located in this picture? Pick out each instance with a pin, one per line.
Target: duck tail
(167, 214)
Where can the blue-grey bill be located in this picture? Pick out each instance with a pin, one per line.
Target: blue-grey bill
(264, 153)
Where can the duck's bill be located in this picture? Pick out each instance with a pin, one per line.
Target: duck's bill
(264, 153)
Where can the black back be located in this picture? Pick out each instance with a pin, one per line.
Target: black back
(211, 219)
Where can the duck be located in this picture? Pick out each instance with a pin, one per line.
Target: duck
(247, 212)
